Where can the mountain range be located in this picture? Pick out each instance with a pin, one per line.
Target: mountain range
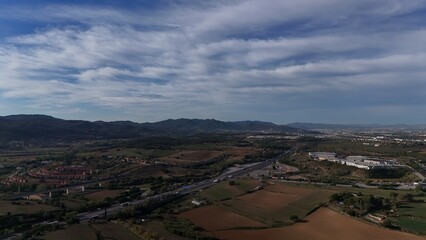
(42, 127)
(321, 126)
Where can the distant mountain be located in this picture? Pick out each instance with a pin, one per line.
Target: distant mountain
(212, 125)
(41, 127)
(313, 126)
(24, 127)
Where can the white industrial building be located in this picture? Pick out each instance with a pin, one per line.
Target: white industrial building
(362, 162)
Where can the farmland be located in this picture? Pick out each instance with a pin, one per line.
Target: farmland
(114, 231)
(413, 216)
(274, 205)
(236, 202)
(271, 206)
(73, 232)
(101, 195)
(224, 191)
(322, 224)
(236, 213)
(23, 207)
(219, 219)
(191, 156)
(89, 232)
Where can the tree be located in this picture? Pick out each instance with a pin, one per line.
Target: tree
(294, 218)
(231, 182)
(71, 218)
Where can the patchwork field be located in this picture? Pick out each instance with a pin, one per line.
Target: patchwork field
(192, 156)
(413, 216)
(237, 153)
(24, 207)
(219, 219)
(110, 231)
(276, 203)
(159, 229)
(324, 224)
(271, 206)
(101, 195)
(73, 232)
(223, 190)
(115, 231)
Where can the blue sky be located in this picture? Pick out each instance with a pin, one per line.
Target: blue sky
(329, 61)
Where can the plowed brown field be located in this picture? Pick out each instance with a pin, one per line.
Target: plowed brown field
(213, 218)
(267, 200)
(289, 189)
(323, 224)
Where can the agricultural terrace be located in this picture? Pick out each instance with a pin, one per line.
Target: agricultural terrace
(323, 224)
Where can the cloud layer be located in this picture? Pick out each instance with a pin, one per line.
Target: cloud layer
(305, 60)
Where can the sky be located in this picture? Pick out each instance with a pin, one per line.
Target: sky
(330, 61)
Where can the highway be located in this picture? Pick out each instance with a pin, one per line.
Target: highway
(83, 217)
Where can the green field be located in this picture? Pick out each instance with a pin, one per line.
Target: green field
(158, 229)
(272, 206)
(24, 207)
(114, 231)
(412, 216)
(110, 231)
(223, 190)
(278, 215)
(413, 224)
(80, 231)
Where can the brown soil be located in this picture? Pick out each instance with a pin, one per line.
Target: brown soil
(213, 218)
(324, 224)
(288, 189)
(268, 200)
(101, 195)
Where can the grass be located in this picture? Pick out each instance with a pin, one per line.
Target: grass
(25, 207)
(102, 194)
(79, 231)
(413, 209)
(300, 207)
(412, 224)
(374, 191)
(223, 190)
(114, 231)
(110, 231)
(131, 152)
(158, 229)
(412, 216)
(218, 192)
(273, 217)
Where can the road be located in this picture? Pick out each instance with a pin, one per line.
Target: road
(181, 191)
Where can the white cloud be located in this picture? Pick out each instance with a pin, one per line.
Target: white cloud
(182, 58)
